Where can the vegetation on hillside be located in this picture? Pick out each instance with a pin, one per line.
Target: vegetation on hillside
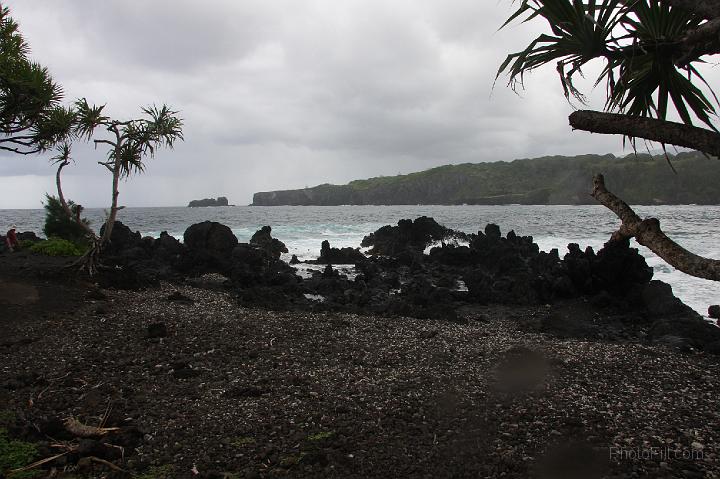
(640, 179)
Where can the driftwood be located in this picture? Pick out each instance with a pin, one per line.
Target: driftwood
(76, 428)
(647, 232)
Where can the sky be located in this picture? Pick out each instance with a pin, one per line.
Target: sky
(282, 94)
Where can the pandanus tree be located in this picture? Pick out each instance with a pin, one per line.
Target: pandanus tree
(31, 117)
(128, 145)
(32, 120)
(650, 51)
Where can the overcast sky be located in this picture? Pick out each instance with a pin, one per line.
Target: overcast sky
(287, 94)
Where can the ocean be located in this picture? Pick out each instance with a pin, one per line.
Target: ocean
(303, 228)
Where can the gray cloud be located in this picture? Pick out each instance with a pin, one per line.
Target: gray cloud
(282, 94)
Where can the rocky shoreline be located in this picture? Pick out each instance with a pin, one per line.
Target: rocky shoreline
(405, 275)
(543, 367)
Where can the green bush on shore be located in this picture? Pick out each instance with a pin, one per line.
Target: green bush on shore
(14, 455)
(58, 225)
(58, 247)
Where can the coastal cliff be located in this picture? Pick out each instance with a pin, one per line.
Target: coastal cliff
(638, 179)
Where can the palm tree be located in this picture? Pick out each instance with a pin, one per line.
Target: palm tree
(650, 50)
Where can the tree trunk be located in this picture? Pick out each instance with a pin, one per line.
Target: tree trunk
(65, 206)
(666, 132)
(110, 222)
(647, 232)
(58, 183)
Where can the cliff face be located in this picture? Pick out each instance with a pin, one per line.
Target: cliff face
(639, 179)
(323, 195)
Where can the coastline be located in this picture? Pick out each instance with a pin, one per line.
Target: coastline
(258, 393)
(304, 228)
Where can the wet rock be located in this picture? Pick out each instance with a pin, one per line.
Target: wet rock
(428, 334)
(96, 294)
(185, 373)
(244, 391)
(493, 231)
(253, 266)
(210, 246)
(178, 297)
(157, 330)
(294, 260)
(678, 343)
(659, 300)
(330, 255)
(714, 311)
(691, 328)
(616, 268)
(329, 272)
(264, 240)
(122, 239)
(28, 236)
(167, 248)
(210, 236)
(407, 235)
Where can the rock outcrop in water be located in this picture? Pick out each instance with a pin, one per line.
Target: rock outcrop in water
(220, 201)
(401, 280)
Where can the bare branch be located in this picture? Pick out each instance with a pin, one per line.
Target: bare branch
(21, 152)
(106, 165)
(23, 140)
(647, 232)
(704, 40)
(107, 142)
(666, 132)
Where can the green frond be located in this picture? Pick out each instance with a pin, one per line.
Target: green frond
(638, 41)
(88, 118)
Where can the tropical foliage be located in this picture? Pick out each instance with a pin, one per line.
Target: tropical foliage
(650, 50)
(59, 225)
(31, 117)
(58, 247)
(648, 61)
(128, 144)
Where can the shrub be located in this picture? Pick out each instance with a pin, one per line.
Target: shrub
(58, 225)
(14, 455)
(58, 247)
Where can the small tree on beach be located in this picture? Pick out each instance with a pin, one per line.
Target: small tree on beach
(650, 50)
(31, 117)
(129, 143)
(32, 120)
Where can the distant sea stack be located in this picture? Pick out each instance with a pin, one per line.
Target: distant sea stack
(552, 180)
(220, 201)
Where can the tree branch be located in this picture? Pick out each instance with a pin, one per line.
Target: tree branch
(107, 142)
(708, 9)
(23, 140)
(704, 40)
(19, 151)
(647, 232)
(666, 132)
